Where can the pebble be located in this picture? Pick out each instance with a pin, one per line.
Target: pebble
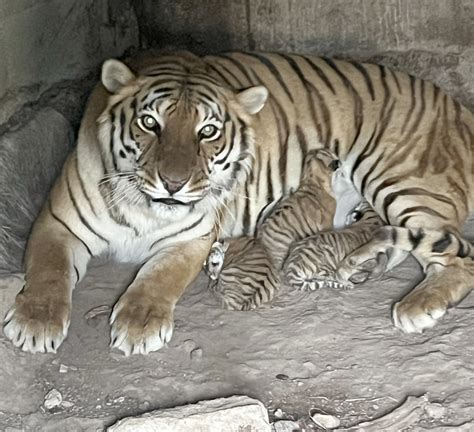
(282, 377)
(436, 410)
(286, 426)
(67, 404)
(63, 368)
(144, 405)
(52, 399)
(278, 413)
(324, 420)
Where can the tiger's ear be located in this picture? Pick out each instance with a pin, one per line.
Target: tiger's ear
(253, 99)
(115, 75)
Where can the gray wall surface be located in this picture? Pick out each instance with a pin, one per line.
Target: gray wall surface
(433, 39)
(43, 42)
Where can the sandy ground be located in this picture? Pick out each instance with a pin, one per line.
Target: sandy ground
(331, 349)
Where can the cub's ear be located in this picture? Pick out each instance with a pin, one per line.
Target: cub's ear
(115, 75)
(253, 99)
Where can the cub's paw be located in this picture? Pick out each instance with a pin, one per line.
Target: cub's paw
(37, 323)
(419, 310)
(140, 325)
(357, 268)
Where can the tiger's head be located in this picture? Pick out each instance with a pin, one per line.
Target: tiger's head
(173, 136)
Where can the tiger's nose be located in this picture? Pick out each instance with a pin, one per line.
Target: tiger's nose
(173, 186)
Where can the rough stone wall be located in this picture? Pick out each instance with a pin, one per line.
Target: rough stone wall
(432, 39)
(50, 52)
(43, 42)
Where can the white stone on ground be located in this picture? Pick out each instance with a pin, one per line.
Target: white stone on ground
(233, 414)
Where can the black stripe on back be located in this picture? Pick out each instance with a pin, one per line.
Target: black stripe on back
(367, 79)
(274, 71)
(320, 74)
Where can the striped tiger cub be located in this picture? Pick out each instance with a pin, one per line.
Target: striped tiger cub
(242, 275)
(245, 272)
(174, 148)
(312, 262)
(308, 210)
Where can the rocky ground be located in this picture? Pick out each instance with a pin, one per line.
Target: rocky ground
(330, 349)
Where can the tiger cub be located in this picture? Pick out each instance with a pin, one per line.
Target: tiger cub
(241, 273)
(245, 272)
(313, 261)
(308, 210)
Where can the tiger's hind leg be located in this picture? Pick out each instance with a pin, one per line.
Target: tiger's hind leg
(446, 258)
(443, 287)
(390, 245)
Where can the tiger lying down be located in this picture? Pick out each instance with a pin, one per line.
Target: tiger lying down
(174, 149)
(293, 243)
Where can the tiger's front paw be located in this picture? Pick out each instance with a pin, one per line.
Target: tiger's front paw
(357, 268)
(419, 310)
(37, 322)
(140, 324)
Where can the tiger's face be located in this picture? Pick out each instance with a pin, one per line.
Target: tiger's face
(174, 137)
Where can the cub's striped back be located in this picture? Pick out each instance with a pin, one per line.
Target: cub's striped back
(303, 213)
(242, 275)
(313, 261)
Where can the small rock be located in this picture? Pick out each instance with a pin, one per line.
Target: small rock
(324, 420)
(278, 413)
(196, 353)
(144, 405)
(282, 377)
(119, 399)
(98, 406)
(286, 426)
(435, 410)
(67, 404)
(52, 399)
(63, 368)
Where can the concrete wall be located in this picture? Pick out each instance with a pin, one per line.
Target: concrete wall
(433, 39)
(43, 42)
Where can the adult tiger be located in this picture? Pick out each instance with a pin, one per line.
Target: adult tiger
(163, 157)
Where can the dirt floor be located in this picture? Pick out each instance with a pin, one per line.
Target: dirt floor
(331, 349)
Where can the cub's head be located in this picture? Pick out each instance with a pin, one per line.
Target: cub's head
(173, 136)
(318, 169)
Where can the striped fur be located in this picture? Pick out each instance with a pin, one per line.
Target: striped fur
(303, 213)
(242, 274)
(312, 263)
(245, 272)
(179, 147)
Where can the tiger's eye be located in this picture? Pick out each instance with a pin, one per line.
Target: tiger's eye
(208, 131)
(148, 122)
